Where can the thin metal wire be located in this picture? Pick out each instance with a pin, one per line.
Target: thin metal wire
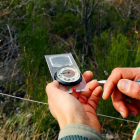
(117, 118)
(48, 104)
(24, 99)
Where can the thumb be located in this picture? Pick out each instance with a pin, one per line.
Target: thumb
(52, 87)
(129, 88)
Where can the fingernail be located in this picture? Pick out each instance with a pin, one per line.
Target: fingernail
(122, 113)
(132, 113)
(103, 95)
(123, 85)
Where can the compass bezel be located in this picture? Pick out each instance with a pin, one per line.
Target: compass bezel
(68, 83)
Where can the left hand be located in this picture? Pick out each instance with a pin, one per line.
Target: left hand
(69, 109)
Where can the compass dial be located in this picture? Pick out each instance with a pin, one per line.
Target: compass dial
(68, 76)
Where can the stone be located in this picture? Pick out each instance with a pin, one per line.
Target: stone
(1, 77)
(109, 136)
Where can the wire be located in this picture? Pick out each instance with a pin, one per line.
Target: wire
(48, 104)
(24, 99)
(116, 118)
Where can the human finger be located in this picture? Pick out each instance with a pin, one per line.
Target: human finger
(52, 86)
(87, 76)
(129, 88)
(91, 86)
(53, 91)
(118, 101)
(95, 97)
(122, 106)
(116, 75)
(133, 111)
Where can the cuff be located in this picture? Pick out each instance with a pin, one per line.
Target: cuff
(80, 129)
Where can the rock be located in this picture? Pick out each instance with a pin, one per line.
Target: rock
(1, 77)
(117, 136)
(109, 136)
(29, 115)
(17, 109)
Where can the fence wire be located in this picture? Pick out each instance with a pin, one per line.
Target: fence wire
(102, 115)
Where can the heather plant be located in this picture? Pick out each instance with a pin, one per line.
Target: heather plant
(134, 42)
(65, 25)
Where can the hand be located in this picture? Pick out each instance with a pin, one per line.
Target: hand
(67, 108)
(125, 98)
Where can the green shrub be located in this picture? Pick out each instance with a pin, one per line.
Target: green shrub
(65, 24)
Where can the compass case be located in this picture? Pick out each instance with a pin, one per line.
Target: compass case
(68, 76)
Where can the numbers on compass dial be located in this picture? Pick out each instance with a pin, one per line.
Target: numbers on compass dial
(68, 74)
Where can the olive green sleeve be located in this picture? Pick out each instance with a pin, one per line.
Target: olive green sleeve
(81, 130)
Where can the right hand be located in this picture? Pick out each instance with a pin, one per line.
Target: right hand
(125, 98)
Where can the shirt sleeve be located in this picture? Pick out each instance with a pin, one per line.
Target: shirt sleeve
(136, 135)
(79, 130)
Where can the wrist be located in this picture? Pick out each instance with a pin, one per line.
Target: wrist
(84, 121)
(74, 120)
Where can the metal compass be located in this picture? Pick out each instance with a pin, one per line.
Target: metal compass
(68, 76)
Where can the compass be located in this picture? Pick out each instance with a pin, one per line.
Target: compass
(68, 76)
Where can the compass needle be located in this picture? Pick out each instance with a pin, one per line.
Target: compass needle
(68, 72)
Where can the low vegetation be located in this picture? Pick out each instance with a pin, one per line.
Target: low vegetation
(101, 35)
